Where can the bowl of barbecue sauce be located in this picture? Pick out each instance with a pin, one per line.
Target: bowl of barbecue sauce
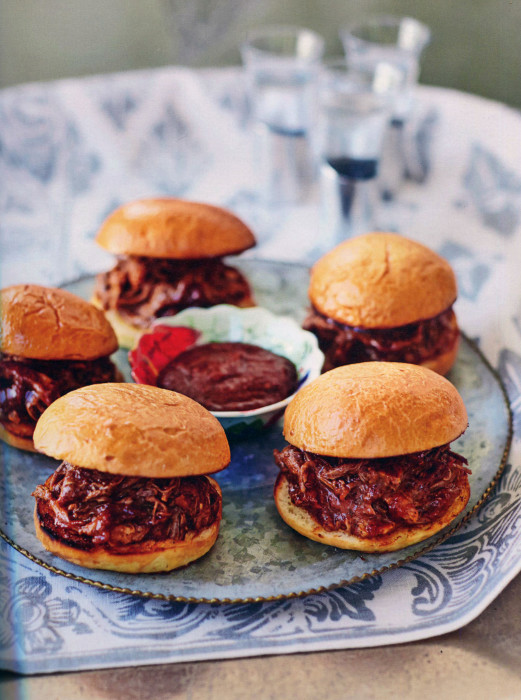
(243, 365)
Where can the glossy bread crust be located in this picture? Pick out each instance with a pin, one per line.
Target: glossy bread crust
(375, 409)
(45, 323)
(382, 280)
(134, 430)
(173, 228)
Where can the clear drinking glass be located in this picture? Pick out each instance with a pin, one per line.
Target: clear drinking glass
(400, 42)
(281, 65)
(354, 109)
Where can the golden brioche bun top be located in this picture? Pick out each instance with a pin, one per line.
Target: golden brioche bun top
(375, 409)
(173, 228)
(381, 280)
(133, 429)
(44, 323)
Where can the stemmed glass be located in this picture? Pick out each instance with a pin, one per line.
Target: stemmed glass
(355, 104)
(281, 65)
(399, 41)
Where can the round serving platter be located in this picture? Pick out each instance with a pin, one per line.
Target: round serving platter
(257, 556)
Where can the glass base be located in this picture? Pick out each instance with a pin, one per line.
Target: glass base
(347, 205)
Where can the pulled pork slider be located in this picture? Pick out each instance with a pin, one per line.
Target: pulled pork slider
(51, 342)
(381, 296)
(132, 493)
(169, 258)
(369, 466)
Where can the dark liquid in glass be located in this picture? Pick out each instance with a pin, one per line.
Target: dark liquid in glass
(354, 168)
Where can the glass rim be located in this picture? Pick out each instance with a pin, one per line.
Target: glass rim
(290, 31)
(340, 73)
(348, 32)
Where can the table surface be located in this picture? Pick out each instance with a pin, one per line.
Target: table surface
(480, 658)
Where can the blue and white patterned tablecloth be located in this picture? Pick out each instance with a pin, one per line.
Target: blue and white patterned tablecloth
(70, 152)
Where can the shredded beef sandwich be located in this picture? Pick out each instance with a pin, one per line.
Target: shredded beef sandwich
(369, 465)
(132, 493)
(170, 257)
(52, 342)
(383, 297)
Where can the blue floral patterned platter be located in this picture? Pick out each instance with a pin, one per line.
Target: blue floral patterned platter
(257, 557)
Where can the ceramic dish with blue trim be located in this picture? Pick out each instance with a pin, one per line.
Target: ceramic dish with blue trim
(281, 335)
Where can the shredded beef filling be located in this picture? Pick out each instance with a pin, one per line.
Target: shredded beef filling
(143, 289)
(373, 497)
(28, 386)
(86, 508)
(414, 343)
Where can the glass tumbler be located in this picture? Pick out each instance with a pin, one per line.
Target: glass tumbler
(354, 109)
(281, 65)
(399, 41)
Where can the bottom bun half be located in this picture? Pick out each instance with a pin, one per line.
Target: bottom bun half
(300, 520)
(127, 334)
(443, 363)
(15, 441)
(153, 557)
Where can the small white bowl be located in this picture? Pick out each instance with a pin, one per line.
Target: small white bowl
(257, 326)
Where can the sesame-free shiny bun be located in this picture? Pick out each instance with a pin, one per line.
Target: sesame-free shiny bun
(173, 228)
(133, 430)
(44, 323)
(381, 280)
(375, 409)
